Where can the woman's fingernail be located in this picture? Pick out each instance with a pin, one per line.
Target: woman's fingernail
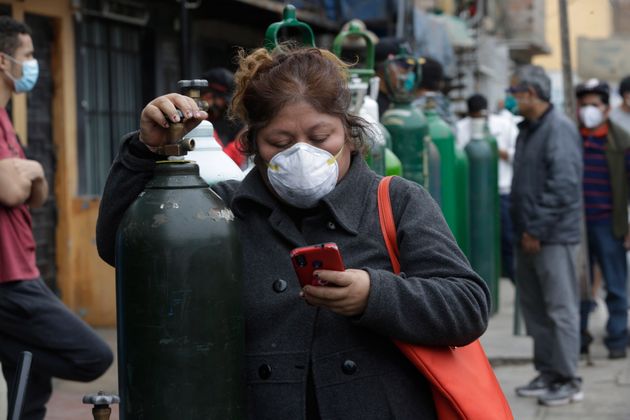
(197, 114)
(175, 118)
(301, 294)
(189, 114)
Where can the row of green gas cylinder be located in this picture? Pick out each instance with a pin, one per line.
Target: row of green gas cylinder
(421, 146)
(418, 145)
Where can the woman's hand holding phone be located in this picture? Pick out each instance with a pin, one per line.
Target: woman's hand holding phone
(348, 298)
(325, 281)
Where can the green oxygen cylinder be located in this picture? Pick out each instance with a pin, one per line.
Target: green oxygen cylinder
(497, 212)
(392, 163)
(442, 136)
(181, 341)
(376, 156)
(482, 207)
(462, 201)
(405, 122)
(363, 86)
(408, 128)
(432, 170)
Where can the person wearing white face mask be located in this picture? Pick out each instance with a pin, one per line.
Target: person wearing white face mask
(606, 185)
(32, 318)
(327, 350)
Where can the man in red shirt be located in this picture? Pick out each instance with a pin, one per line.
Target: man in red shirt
(32, 318)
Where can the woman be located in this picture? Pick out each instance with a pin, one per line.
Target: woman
(320, 352)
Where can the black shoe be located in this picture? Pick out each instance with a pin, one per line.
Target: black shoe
(536, 387)
(617, 353)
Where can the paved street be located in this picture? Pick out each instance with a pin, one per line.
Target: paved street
(606, 382)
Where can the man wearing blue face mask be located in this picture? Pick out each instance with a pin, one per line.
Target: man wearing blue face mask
(606, 183)
(32, 318)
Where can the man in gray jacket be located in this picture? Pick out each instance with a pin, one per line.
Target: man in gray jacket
(546, 212)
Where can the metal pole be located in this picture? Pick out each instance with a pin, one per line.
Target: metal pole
(567, 76)
(19, 386)
(184, 50)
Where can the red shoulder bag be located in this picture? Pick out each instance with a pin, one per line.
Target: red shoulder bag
(463, 383)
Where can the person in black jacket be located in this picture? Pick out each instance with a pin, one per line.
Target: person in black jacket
(546, 214)
(320, 351)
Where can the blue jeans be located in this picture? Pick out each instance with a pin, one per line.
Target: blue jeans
(609, 253)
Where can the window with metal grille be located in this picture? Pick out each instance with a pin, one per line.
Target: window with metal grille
(109, 92)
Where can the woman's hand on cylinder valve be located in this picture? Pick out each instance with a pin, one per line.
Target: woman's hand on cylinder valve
(157, 116)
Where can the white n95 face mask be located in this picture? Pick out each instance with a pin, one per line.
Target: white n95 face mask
(591, 116)
(302, 174)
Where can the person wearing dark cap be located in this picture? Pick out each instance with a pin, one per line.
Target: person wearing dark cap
(546, 199)
(621, 114)
(386, 48)
(432, 84)
(606, 186)
(504, 130)
(218, 95)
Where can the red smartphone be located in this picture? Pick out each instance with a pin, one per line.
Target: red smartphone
(313, 257)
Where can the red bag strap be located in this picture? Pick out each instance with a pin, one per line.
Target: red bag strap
(388, 225)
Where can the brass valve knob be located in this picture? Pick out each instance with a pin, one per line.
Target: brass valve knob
(101, 402)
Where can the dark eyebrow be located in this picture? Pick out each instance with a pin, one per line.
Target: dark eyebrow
(279, 132)
(282, 132)
(320, 125)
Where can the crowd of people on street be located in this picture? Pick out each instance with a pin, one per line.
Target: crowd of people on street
(561, 184)
(556, 176)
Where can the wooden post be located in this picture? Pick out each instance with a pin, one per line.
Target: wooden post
(583, 264)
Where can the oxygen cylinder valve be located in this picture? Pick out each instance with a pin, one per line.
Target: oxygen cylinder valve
(192, 89)
(176, 144)
(431, 101)
(101, 402)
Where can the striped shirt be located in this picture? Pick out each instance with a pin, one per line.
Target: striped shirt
(596, 179)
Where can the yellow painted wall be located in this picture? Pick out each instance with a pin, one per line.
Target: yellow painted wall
(587, 18)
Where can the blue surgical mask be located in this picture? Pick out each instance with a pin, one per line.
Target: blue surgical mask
(30, 72)
(511, 104)
(410, 82)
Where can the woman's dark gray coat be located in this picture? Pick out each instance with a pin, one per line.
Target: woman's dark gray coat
(357, 371)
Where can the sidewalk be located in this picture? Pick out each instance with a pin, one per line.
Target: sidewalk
(606, 383)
